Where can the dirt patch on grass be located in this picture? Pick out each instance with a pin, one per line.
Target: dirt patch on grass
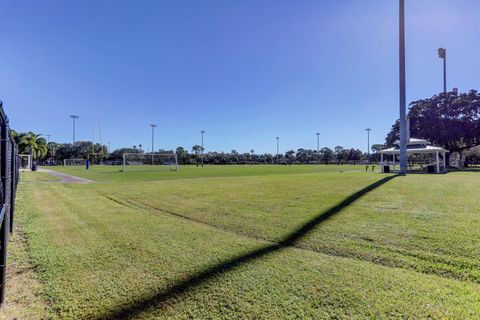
(67, 178)
(24, 299)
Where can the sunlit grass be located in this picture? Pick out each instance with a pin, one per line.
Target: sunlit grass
(146, 172)
(407, 249)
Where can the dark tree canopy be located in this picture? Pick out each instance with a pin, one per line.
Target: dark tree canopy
(450, 120)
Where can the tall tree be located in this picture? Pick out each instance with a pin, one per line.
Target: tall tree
(182, 155)
(327, 155)
(377, 147)
(338, 150)
(31, 143)
(450, 120)
(197, 150)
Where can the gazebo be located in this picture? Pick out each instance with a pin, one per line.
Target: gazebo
(416, 147)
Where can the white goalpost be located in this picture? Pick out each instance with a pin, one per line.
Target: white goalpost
(74, 162)
(25, 162)
(166, 161)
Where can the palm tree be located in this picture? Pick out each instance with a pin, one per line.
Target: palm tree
(31, 143)
(19, 138)
(52, 149)
(197, 150)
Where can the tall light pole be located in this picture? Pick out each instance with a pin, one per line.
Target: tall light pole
(277, 148)
(318, 146)
(153, 126)
(368, 143)
(74, 117)
(442, 54)
(403, 133)
(202, 132)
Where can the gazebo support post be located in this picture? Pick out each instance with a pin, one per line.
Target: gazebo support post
(393, 155)
(381, 161)
(438, 162)
(444, 162)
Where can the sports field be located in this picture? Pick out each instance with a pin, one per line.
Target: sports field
(254, 242)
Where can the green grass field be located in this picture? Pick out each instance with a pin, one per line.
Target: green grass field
(255, 242)
(151, 173)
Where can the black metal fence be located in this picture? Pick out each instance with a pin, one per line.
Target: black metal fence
(9, 174)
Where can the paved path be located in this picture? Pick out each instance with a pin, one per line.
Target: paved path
(65, 177)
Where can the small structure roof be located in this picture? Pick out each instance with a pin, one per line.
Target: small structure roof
(414, 149)
(414, 146)
(414, 141)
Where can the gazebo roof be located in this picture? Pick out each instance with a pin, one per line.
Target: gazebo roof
(414, 145)
(425, 149)
(414, 141)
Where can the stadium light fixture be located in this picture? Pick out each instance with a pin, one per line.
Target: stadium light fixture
(442, 54)
(403, 133)
(74, 117)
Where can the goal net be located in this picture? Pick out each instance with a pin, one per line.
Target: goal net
(74, 162)
(154, 161)
(25, 162)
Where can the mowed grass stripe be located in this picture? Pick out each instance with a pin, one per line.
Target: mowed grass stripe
(152, 173)
(101, 259)
(393, 226)
(382, 254)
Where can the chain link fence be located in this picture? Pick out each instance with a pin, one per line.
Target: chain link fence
(9, 177)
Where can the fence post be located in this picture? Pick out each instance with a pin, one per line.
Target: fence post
(3, 214)
(8, 186)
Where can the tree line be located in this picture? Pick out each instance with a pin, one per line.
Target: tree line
(36, 145)
(325, 155)
(450, 120)
(53, 152)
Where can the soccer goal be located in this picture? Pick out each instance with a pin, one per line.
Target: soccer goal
(74, 162)
(25, 162)
(157, 161)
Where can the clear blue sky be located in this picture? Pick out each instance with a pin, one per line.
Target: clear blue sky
(244, 71)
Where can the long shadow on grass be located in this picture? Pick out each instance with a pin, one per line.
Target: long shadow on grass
(157, 299)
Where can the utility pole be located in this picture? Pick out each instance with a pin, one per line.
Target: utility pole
(202, 132)
(402, 82)
(368, 143)
(74, 117)
(277, 148)
(153, 140)
(442, 54)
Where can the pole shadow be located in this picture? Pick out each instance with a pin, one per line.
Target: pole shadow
(157, 299)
